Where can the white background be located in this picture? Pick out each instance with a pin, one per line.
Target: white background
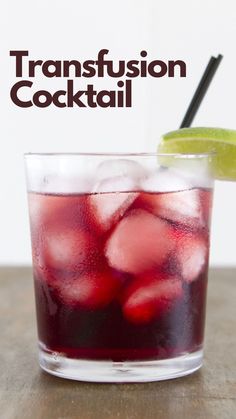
(183, 29)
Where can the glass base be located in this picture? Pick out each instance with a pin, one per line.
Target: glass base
(119, 372)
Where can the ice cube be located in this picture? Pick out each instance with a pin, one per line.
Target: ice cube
(111, 198)
(206, 197)
(108, 208)
(195, 171)
(115, 184)
(120, 168)
(73, 250)
(150, 296)
(192, 255)
(179, 207)
(61, 175)
(165, 180)
(139, 242)
(93, 290)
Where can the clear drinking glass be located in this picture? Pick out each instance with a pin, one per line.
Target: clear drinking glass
(120, 246)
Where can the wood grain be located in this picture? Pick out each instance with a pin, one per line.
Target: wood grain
(28, 393)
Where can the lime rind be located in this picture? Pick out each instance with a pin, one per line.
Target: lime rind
(203, 133)
(220, 141)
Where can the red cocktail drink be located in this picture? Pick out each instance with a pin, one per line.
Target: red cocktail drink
(120, 276)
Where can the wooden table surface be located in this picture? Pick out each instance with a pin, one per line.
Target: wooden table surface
(26, 392)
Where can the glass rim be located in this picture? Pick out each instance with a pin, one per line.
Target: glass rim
(121, 154)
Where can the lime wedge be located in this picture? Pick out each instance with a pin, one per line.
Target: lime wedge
(205, 140)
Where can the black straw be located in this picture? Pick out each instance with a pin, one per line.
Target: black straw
(201, 90)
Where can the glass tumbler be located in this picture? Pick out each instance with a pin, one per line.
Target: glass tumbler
(120, 247)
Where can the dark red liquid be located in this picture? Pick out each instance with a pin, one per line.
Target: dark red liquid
(121, 276)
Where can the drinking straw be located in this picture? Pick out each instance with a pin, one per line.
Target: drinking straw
(201, 90)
